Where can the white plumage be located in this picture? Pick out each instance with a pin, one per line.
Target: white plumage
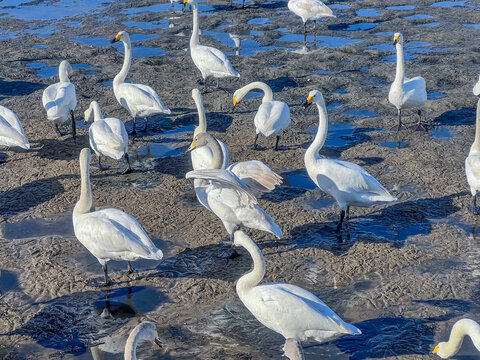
(309, 10)
(11, 130)
(145, 331)
(60, 100)
(476, 88)
(406, 93)
(348, 183)
(108, 136)
(138, 99)
(472, 163)
(462, 328)
(109, 234)
(272, 117)
(289, 310)
(209, 60)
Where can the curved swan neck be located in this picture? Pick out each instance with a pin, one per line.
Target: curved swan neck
(400, 74)
(217, 160)
(132, 343)
(267, 91)
(63, 71)
(459, 330)
(252, 278)
(194, 40)
(202, 121)
(476, 143)
(121, 76)
(84, 204)
(97, 113)
(312, 152)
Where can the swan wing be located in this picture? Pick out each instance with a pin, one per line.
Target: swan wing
(476, 88)
(257, 176)
(272, 117)
(472, 170)
(214, 60)
(414, 92)
(118, 127)
(140, 98)
(59, 99)
(105, 140)
(310, 9)
(10, 136)
(11, 118)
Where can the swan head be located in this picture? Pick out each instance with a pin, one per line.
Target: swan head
(200, 140)
(237, 96)
(88, 114)
(442, 350)
(146, 331)
(397, 39)
(314, 97)
(240, 238)
(85, 156)
(196, 94)
(122, 35)
(65, 68)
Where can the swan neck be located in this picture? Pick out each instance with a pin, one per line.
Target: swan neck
(251, 279)
(202, 121)
(84, 204)
(267, 91)
(400, 74)
(131, 345)
(97, 113)
(217, 159)
(476, 143)
(122, 75)
(194, 40)
(63, 72)
(313, 150)
(459, 330)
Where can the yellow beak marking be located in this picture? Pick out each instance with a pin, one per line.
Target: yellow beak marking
(395, 38)
(309, 99)
(185, 1)
(193, 145)
(435, 350)
(118, 36)
(234, 101)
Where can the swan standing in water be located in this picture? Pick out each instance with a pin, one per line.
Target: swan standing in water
(139, 100)
(287, 309)
(406, 93)
(472, 163)
(476, 88)
(459, 331)
(108, 136)
(209, 60)
(272, 117)
(60, 100)
(348, 183)
(109, 234)
(11, 130)
(309, 10)
(145, 331)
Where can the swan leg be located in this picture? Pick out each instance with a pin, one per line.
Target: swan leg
(74, 126)
(305, 27)
(292, 349)
(183, 7)
(146, 124)
(419, 126)
(107, 279)
(400, 125)
(134, 131)
(57, 130)
(128, 170)
(255, 142)
(314, 25)
(348, 212)
(130, 268)
(276, 143)
(474, 200)
(100, 166)
(340, 223)
(173, 8)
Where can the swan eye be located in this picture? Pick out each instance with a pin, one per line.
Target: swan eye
(435, 350)
(234, 101)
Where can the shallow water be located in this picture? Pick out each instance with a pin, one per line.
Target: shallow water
(367, 12)
(59, 225)
(441, 133)
(361, 113)
(393, 144)
(339, 134)
(298, 179)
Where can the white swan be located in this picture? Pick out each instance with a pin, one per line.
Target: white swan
(108, 136)
(289, 310)
(272, 117)
(145, 331)
(109, 234)
(476, 88)
(309, 10)
(348, 183)
(139, 100)
(406, 93)
(209, 60)
(11, 130)
(60, 100)
(461, 328)
(472, 163)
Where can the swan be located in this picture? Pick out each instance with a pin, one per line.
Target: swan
(209, 60)
(60, 100)
(289, 310)
(272, 117)
(476, 88)
(139, 100)
(309, 10)
(109, 234)
(179, 1)
(108, 136)
(472, 163)
(406, 93)
(459, 330)
(11, 130)
(348, 183)
(145, 331)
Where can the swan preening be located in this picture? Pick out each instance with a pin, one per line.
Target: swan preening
(472, 163)
(109, 234)
(138, 99)
(476, 88)
(406, 93)
(60, 100)
(209, 60)
(287, 309)
(145, 331)
(108, 136)
(348, 183)
(460, 329)
(309, 10)
(272, 117)
(11, 130)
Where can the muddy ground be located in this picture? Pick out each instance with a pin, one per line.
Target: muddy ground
(402, 273)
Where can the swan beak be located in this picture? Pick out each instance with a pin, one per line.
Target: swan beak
(116, 38)
(185, 1)
(234, 101)
(395, 40)
(435, 350)
(158, 342)
(192, 146)
(308, 102)
(85, 122)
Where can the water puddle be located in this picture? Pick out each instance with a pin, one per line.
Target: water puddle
(298, 179)
(385, 33)
(339, 7)
(243, 47)
(35, 228)
(433, 95)
(340, 91)
(339, 134)
(74, 24)
(259, 21)
(158, 150)
(448, 4)
(321, 41)
(432, 24)
(361, 113)
(393, 144)
(318, 204)
(475, 26)
(44, 72)
(353, 27)
(334, 105)
(158, 8)
(42, 31)
(441, 133)
(401, 7)
(419, 17)
(146, 25)
(367, 12)
(180, 131)
(323, 72)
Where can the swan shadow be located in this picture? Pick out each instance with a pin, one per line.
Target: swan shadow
(463, 116)
(61, 148)
(278, 84)
(8, 281)
(19, 88)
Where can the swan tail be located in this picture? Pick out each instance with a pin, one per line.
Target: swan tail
(12, 137)
(351, 329)
(156, 255)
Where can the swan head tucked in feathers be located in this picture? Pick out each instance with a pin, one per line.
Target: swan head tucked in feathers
(314, 97)
(397, 39)
(122, 35)
(200, 140)
(88, 115)
(64, 70)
